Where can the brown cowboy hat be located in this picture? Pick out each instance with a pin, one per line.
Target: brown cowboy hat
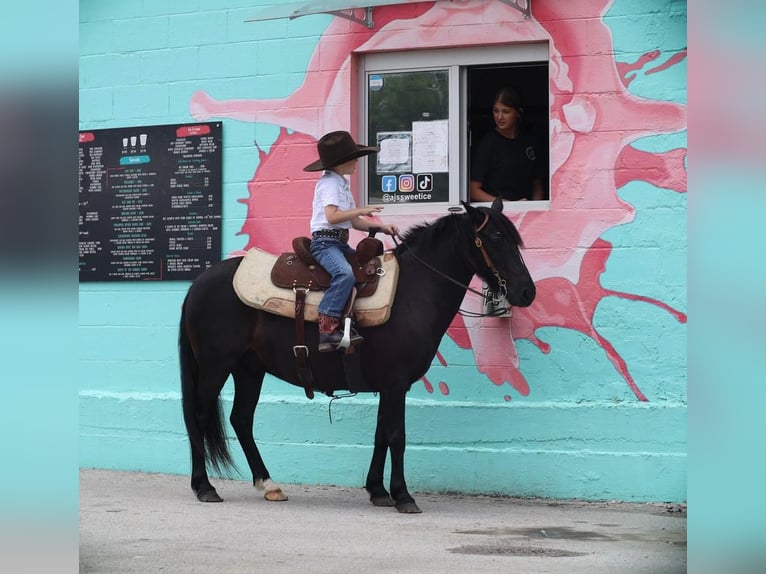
(336, 148)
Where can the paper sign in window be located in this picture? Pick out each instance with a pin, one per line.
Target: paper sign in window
(395, 152)
(430, 146)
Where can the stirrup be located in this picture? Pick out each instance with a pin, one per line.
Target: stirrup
(350, 336)
(345, 341)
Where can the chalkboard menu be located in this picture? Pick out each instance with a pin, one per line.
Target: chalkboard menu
(150, 202)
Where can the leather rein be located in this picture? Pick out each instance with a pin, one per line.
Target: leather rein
(487, 260)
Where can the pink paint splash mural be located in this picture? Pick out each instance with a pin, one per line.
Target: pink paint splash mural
(593, 121)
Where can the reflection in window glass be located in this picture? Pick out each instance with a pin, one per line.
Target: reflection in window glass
(408, 114)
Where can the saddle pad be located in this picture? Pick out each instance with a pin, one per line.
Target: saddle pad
(252, 283)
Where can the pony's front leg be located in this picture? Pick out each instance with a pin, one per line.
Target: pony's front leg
(392, 414)
(378, 494)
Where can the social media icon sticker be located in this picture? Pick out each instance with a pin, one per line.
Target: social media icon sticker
(406, 182)
(388, 183)
(425, 182)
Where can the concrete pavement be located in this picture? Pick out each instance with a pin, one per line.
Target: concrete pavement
(135, 522)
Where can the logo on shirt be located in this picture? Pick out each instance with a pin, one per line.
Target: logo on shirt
(406, 182)
(388, 183)
(530, 153)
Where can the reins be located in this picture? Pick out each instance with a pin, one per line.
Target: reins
(435, 270)
(487, 260)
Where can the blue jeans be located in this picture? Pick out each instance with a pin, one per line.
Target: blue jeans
(329, 253)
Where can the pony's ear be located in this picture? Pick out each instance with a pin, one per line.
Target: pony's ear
(497, 204)
(475, 214)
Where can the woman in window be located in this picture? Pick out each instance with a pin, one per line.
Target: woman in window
(506, 164)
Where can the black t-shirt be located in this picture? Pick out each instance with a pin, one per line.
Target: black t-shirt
(506, 167)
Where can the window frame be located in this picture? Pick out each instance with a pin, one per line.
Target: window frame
(456, 61)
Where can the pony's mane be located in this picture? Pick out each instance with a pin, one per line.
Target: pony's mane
(425, 234)
(455, 225)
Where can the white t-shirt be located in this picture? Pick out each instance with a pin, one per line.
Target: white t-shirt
(331, 189)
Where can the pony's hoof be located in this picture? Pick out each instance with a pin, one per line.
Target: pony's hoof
(273, 492)
(382, 501)
(275, 495)
(208, 496)
(408, 508)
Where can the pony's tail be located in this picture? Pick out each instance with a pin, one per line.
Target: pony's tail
(213, 442)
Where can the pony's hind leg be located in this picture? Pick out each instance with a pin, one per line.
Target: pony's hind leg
(207, 436)
(200, 482)
(247, 390)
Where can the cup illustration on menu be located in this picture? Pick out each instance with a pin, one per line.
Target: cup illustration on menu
(124, 143)
(143, 138)
(133, 141)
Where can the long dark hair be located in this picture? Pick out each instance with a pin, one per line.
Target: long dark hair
(509, 97)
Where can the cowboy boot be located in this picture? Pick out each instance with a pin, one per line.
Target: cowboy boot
(329, 333)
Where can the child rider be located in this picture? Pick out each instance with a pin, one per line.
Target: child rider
(334, 211)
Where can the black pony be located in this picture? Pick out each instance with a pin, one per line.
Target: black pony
(221, 336)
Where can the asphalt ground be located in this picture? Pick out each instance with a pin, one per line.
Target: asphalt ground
(137, 522)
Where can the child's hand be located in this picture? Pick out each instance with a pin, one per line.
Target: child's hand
(389, 229)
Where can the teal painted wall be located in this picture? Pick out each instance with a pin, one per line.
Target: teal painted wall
(580, 431)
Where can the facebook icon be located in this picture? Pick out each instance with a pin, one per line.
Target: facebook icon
(388, 183)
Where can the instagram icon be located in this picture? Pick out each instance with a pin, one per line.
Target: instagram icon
(406, 182)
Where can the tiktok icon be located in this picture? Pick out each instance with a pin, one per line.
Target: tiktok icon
(425, 182)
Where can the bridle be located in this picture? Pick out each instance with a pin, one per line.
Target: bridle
(502, 286)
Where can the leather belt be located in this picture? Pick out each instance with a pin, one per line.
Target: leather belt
(337, 233)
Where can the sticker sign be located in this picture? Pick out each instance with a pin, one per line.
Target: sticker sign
(376, 82)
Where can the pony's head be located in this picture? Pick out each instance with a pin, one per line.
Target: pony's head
(497, 257)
